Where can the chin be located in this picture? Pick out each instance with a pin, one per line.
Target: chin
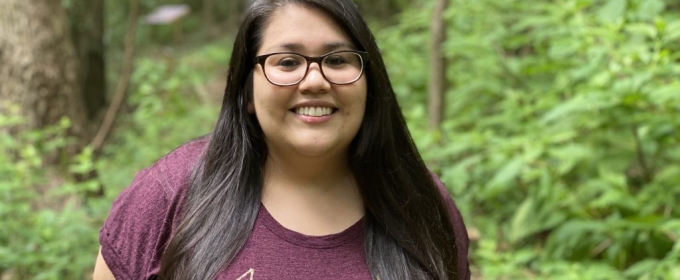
(316, 150)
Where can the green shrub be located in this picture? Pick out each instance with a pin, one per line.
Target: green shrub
(50, 221)
(43, 221)
(164, 111)
(561, 142)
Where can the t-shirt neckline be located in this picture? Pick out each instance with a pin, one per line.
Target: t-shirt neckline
(309, 241)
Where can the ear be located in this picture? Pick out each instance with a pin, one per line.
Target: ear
(251, 108)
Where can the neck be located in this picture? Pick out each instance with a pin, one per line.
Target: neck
(307, 170)
(311, 195)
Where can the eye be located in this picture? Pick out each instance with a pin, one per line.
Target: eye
(289, 62)
(335, 60)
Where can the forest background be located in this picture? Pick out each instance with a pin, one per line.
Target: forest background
(559, 133)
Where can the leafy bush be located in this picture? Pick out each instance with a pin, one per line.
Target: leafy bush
(42, 218)
(50, 220)
(561, 142)
(167, 106)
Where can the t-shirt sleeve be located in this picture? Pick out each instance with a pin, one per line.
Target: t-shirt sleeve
(459, 229)
(134, 235)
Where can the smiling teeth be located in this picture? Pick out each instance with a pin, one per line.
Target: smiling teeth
(314, 111)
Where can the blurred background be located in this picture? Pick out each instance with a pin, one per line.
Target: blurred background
(554, 124)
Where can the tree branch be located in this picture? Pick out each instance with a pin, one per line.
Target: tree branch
(646, 175)
(121, 86)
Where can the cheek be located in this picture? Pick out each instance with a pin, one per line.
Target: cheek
(269, 102)
(361, 99)
(355, 116)
(260, 93)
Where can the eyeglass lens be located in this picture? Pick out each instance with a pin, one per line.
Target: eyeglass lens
(288, 68)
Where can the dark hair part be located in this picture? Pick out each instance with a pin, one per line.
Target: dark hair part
(408, 231)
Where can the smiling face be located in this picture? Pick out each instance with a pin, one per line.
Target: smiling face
(313, 118)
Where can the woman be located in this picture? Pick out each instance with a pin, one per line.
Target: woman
(310, 172)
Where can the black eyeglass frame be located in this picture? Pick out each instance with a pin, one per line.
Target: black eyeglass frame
(313, 59)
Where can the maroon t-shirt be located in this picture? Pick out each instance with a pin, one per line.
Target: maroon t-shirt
(145, 214)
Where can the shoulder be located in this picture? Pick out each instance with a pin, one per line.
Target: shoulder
(174, 169)
(459, 229)
(144, 214)
(456, 217)
(168, 177)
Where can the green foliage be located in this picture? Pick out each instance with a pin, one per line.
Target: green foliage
(41, 222)
(562, 138)
(561, 142)
(165, 110)
(50, 220)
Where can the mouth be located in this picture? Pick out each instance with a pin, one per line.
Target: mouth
(314, 111)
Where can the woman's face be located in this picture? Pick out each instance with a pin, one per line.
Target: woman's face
(282, 111)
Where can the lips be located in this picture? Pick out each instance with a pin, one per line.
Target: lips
(313, 111)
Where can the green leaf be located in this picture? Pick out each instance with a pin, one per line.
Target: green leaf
(589, 101)
(666, 94)
(644, 29)
(505, 177)
(641, 268)
(613, 10)
(564, 47)
(649, 9)
(519, 225)
(672, 31)
(670, 174)
(568, 156)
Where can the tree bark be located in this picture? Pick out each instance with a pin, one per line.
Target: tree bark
(126, 72)
(437, 87)
(87, 32)
(230, 12)
(39, 67)
(381, 9)
(209, 19)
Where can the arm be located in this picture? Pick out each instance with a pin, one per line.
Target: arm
(142, 218)
(101, 270)
(138, 226)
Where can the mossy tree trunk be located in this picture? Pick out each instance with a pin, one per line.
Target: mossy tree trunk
(384, 10)
(230, 13)
(39, 67)
(87, 33)
(437, 87)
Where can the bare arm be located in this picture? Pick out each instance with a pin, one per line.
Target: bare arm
(101, 270)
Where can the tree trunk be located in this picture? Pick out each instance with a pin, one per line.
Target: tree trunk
(39, 67)
(231, 12)
(381, 9)
(437, 88)
(87, 32)
(209, 19)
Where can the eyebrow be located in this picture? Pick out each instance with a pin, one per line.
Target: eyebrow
(329, 47)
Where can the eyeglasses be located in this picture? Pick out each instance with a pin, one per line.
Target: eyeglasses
(288, 68)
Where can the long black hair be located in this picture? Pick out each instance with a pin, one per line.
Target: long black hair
(408, 232)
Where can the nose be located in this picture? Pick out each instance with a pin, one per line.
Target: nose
(314, 81)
